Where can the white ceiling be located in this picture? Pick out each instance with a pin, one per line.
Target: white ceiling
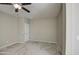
(38, 10)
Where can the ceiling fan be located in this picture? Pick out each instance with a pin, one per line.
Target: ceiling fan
(18, 6)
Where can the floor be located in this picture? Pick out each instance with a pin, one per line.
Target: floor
(30, 48)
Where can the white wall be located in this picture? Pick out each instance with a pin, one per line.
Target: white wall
(23, 29)
(68, 29)
(72, 34)
(13, 29)
(61, 30)
(43, 30)
(8, 29)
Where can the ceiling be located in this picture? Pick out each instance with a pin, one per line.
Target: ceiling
(38, 10)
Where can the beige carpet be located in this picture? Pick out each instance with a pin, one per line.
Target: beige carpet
(30, 48)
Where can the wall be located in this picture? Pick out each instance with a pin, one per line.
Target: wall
(23, 29)
(43, 30)
(72, 34)
(64, 28)
(61, 30)
(13, 29)
(8, 29)
(68, 29)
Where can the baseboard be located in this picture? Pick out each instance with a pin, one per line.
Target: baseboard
(23, 41)
(7, 45)
(43, 41)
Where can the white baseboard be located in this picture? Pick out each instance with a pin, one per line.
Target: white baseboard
(43, 41)
(23, 41)
(7, 45)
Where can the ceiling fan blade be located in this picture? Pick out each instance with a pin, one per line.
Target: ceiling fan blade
(6, 3)
(25, 9)
(16, 10)
(26, 3)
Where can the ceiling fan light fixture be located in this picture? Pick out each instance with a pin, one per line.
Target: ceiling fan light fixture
(17, 6)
